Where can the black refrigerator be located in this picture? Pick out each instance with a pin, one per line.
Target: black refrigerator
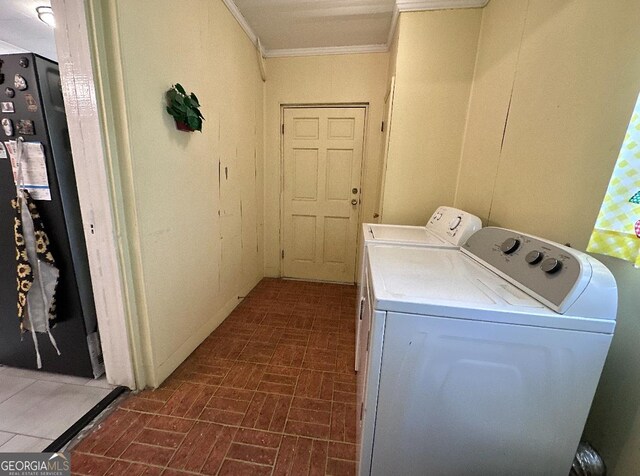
(30, 90)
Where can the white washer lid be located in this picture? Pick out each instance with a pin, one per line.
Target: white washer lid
(403, 235)
(447, 283)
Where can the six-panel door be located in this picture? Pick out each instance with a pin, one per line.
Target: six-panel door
(322, 165)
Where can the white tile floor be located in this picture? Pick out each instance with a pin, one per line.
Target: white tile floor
(37, 407)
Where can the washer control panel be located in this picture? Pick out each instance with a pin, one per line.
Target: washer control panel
(546, 270)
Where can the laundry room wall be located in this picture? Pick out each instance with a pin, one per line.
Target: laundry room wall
(330, 79)
(613, 427)
(193, 200)
(554, 87)
(434, 66)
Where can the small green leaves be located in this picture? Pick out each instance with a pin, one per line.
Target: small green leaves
(183, 107)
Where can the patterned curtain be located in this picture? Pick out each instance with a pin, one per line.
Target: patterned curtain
(617, 229)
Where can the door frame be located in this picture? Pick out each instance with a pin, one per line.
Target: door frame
(342, 105)
(82, 71)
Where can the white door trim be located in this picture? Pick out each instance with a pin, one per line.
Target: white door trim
(284, 106)
(97, 185)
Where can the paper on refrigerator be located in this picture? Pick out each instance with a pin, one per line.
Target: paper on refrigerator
(34, 168)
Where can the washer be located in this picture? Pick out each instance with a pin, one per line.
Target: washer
(482, 361)
(447, 228)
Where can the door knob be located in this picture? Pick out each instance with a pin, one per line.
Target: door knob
(354, 190)
(354, 202)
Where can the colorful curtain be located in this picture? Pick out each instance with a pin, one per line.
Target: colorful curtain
(617, 229)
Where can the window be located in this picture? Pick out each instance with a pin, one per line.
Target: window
(617, 229)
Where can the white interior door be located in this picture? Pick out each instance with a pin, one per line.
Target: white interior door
(321, 192)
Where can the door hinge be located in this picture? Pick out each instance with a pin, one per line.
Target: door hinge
(362, 300)
(361, 409)
(382, 127)
(282, 254)
(282, 128)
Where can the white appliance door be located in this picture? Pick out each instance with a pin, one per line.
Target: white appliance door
(462, 397)
(406, 235)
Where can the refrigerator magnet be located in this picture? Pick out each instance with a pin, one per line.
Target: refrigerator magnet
(19, 82)
(24, 62)
(9, 92)
(7, 107)
(7, 127)
(32, 105)
(3, 151)
(25, 127)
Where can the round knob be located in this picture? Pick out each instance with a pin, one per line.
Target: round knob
(510, 245)
(534, 257)
(453, 224)
(354, 202)
(551, 265)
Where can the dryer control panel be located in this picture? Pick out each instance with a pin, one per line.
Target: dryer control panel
(453, 225)
(550, 272)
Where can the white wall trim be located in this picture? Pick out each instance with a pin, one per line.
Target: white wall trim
(94, 189)
(261, 63)
(329, 50)
(394, 25)
(422, 5)
(242, 21)
(400, 6)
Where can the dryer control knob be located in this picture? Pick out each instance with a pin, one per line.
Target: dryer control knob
(510, 245)
(534, 257)
(453, 224)
(551, 265)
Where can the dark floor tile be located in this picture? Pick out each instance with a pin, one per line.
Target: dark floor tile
(152, 455)
(240, 468)
(87, 464)
(271, 391)
(121, 468)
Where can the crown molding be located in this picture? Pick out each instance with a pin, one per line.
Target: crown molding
(328, 50)
(421, 5)
(233, 9)
(394, 25)
(400, 6)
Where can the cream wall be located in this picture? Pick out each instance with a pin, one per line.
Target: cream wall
(560, 80)
(434, 66)
(194, 200)
(553, 91)
(333, 79)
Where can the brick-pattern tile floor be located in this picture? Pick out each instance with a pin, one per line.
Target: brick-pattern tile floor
(271, 391)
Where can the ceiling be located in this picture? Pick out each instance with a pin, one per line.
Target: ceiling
(307, 27)
(284, 27)
(295, 24)
(21, 31)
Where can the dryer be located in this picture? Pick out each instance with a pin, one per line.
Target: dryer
(447, 228)
(483, 360)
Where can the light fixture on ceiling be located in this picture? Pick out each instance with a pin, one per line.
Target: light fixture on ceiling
(45, 14)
